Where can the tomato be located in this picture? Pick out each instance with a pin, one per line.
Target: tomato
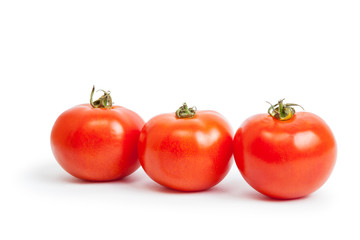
(186, 151)
(285, 155)
(97, 141)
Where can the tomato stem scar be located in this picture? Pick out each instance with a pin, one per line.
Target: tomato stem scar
(105, 101)
(281, 111)
(185, 112)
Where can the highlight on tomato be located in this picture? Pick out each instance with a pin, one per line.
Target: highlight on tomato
(188, 150)
(284, 154)
(97, 141)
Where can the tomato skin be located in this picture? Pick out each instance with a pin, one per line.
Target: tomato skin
(97, 144)
(186, 154)
(285, 159)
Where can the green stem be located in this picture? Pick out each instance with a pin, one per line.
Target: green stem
(281, 111)
(185, 112)
(281, 108)
(105, 101)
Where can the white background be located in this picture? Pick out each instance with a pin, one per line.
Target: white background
(228, 56)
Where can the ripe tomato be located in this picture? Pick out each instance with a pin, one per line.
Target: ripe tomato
(97, 141)
(186, 151)
(285, 155)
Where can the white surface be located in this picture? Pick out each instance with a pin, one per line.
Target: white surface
(229, 56)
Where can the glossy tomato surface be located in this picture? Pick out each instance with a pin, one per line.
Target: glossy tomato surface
(97, 144)
(186, 154)
(285, 159)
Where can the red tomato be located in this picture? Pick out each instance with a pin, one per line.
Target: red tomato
(186, 151)
(288, 158)
(99, 142)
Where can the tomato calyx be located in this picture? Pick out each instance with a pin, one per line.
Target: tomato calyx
(282, 111)
(185, 112)
(105, 101)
